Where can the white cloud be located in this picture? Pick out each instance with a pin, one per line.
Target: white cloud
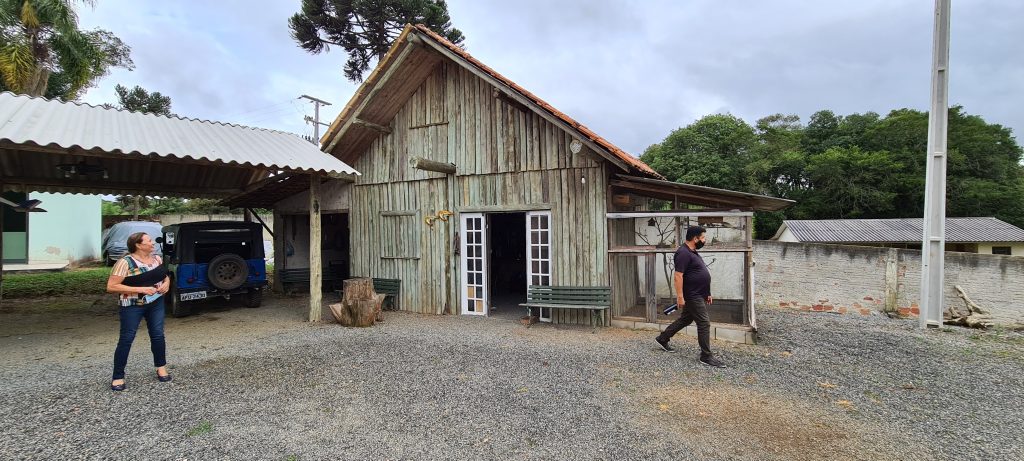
(632, 71)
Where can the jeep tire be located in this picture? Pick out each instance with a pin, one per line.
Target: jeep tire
(173, 303)
(227, 271)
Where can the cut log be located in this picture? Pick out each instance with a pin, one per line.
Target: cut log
(974, 317)
(358, 313)
(341, 313)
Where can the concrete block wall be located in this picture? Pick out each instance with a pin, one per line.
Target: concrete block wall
(869, 280)
(825, 278)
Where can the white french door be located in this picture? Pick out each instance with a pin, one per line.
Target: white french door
(473, 235)
(538, 253)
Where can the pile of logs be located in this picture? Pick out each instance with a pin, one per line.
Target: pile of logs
(360, 305)
(974, 317)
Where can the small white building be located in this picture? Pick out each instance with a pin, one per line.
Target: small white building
(968, 235)
(69, 231)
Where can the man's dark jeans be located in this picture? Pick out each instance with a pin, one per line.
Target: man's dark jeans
(696, 310)
(130, 319)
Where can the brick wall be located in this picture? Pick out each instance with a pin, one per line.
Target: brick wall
(868, 280)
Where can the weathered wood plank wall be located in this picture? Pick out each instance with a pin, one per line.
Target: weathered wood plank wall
(506, 158)
(625, 273)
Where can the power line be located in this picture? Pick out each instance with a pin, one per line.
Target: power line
(258, 109)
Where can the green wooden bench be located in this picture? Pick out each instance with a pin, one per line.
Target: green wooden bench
(595, 299)
(300, 276)
(390, 287)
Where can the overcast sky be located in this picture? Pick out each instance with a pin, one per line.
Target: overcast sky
(631, 70)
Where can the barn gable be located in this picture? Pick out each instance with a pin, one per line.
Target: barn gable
(411, 64)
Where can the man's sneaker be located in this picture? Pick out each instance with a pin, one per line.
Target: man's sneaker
(712, 362)
(664, 345)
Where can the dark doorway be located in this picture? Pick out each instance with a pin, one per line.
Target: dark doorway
(507, 243)
(15, 228)
(334, 246)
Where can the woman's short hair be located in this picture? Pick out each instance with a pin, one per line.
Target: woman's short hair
(133, 241)
(693, 232)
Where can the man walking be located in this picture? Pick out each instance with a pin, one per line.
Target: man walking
(693, 294)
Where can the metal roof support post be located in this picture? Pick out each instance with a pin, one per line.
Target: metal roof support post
(1, 248)
(315, 267)
(279, 254)
(934, 239)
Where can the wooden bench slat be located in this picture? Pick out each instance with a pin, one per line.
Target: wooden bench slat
(564, 306)
(569, 295)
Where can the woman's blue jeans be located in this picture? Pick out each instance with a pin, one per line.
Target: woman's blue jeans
(130, 319)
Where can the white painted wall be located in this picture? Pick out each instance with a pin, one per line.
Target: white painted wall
(334, 196)
(726, 268)
(787, 236)
(1016, 249)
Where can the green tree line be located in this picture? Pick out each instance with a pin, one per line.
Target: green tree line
(147, 206)
(853, 166)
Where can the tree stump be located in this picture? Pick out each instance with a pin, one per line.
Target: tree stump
(356, 289)
(360, 305)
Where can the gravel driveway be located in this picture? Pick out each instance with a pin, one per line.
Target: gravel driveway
(261, 384)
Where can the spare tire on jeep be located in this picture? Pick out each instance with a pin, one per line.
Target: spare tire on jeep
(227, 271)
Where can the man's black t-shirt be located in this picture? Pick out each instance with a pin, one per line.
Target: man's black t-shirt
(696, 277)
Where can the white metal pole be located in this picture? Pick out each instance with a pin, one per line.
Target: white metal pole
(934, 239)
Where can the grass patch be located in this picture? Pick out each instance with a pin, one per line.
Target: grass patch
(71, 282)
(203, 428)
(998, 335)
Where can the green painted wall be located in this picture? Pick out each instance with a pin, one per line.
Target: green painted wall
(69, 231)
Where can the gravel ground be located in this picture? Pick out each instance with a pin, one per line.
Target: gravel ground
(261, 384)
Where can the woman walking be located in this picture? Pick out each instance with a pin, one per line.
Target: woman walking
(140, 280)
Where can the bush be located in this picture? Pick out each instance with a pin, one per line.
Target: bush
(72, 282)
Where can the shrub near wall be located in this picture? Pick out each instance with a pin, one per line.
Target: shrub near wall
(871, 280)
(64, 283)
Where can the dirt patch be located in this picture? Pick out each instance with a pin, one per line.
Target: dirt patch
(736, 422)
(59, 329)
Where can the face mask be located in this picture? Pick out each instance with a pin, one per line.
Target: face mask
(699, 245)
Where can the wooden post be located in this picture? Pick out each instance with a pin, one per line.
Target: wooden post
(279, 256)
(371, 125)
(748, 273)
(247, 215)
(651, 289)
(892, 282)
(315, 267)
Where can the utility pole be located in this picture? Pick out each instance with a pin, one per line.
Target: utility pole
(316, 116)
(934, 239)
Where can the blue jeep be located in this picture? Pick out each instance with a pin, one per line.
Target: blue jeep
(213, 259)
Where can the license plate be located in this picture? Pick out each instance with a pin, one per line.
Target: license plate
(193, 296)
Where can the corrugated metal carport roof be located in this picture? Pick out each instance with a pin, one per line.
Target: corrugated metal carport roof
(129, 152)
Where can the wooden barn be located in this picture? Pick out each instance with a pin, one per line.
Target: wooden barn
(471, 189)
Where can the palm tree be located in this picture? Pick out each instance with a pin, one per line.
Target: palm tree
(41, 45)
